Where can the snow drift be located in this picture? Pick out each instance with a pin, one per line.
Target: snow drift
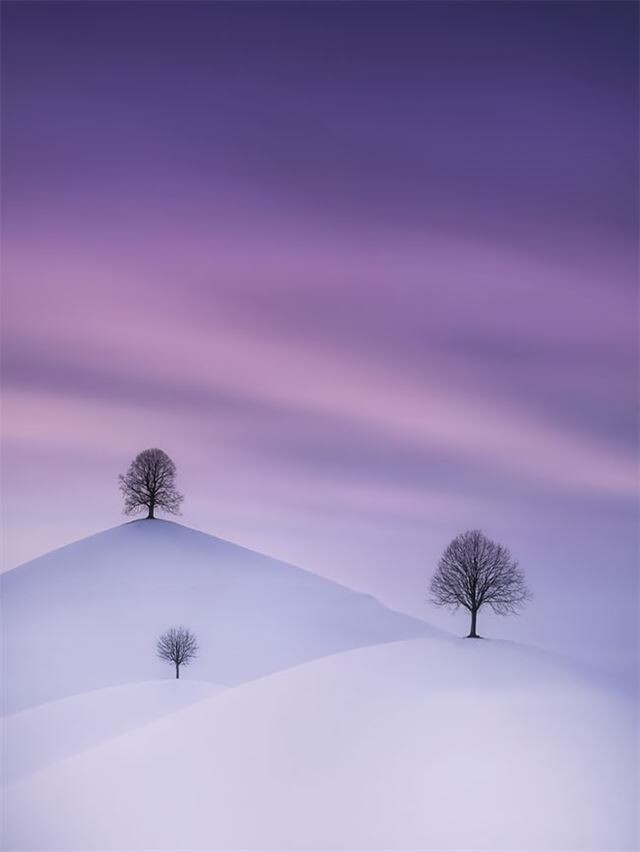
(87, 616)
(42, 735)
(423, 744)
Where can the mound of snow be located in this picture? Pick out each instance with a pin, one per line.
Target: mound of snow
(42, 735)
(87, 616)
(426, 744)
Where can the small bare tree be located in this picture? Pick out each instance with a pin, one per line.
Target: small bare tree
(178, 646)
(149, 484)
(474, 572)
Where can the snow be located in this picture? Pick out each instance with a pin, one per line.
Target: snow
(45, 734)
(421, 744)
(313, 718)
(87, 616)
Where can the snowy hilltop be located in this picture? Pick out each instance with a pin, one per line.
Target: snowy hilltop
(88, 615)
(312, 716)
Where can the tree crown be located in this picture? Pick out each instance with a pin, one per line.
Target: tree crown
(177, 645)
(474, 572)
(149, 484)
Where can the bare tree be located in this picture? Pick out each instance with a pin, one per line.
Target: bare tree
(474, 572)
(149, 484)
(178, 646)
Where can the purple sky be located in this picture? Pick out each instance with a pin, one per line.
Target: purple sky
(366, 271)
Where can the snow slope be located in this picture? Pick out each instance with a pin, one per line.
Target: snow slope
(87, 616)
(45, 734)
(422, 744)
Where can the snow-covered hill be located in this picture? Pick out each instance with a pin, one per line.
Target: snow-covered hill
(87, 616)
(42, 735)
(422, 744)
(314, 717)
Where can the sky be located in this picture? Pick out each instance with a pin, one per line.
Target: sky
(366, 271)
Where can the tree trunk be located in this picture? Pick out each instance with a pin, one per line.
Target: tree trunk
(177, 670)
(472, 632)
(151, 516)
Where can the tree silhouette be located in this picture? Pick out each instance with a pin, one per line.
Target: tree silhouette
(178, 646)
(474, 572)
(149, 484)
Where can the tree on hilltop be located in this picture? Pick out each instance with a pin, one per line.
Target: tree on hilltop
(474, 572)
(149, 484)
